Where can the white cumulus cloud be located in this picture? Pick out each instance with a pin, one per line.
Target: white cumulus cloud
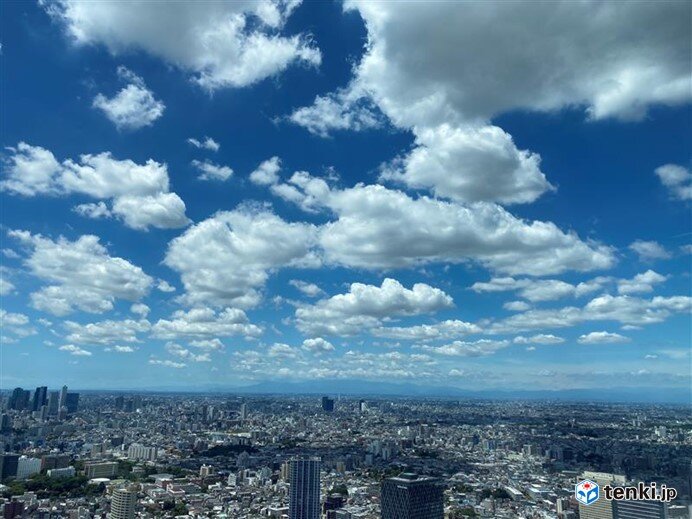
(133, 107)
(222, 44)
(81, 274)
(139, 193)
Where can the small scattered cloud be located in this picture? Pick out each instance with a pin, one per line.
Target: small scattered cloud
(602, 338)
(649, 250)
(211, 171)
(134, 106)
(207, 143)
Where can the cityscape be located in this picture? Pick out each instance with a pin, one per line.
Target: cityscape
(127, 455)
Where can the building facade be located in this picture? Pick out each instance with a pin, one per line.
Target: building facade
(304, 493)
(123, 504)
(409, 496)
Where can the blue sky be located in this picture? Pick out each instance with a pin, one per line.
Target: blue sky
(456, 194)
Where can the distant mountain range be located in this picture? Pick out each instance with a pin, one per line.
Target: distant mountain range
(369, 388)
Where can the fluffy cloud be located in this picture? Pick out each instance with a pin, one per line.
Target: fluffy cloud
(6, 286)
(75, 350)
(139, 192)
(541, 338)
(164, 286)
(207, 344)
(309, 289)
(649, 250)
(93, 210)
(102, 176)
(281, 351)
(470, 164)
(366, 306)
(447, 89)
(211, 171)
(267, 173)
(106, 332)
(178, 351)
(317, 346)
(226, 259)
(82, 274)
(206, 144)
(447, 330)
(162, 210)
(223, 44)
(378, 227)
(346, 109)
(536, 290)
(677, 179)
(133, 107)
(205, 323)
(622, 309)
(516, 306)
(602, 338)
(140, 309)
(30, 171)
(16, 323)
(478, 348)
(588, 54)
(640, 283)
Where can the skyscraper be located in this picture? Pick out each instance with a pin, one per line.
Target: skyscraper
(304, 476)
(640, 510)
(19, 399)
(8, 466)
(53, 402)
(40, 398)
(63, 397)
(72, 402)
(243, 411)
(409, 496)
(327, 404)
(123, 504)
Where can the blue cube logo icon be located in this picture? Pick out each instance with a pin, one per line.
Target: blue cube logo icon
(587, 492)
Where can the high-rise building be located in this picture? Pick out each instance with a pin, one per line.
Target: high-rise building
(601, 509)
(72, 402)
(410, 496)
(8, 466)
(142, 452)
(243, 411)
(119, 402)
(63, 397)
(53, 402)
(27, 467)
(19, 400)
(5, 423)
(40, 398)
(304, 493)
(123, 504)
(327, 404)
(640, 510)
